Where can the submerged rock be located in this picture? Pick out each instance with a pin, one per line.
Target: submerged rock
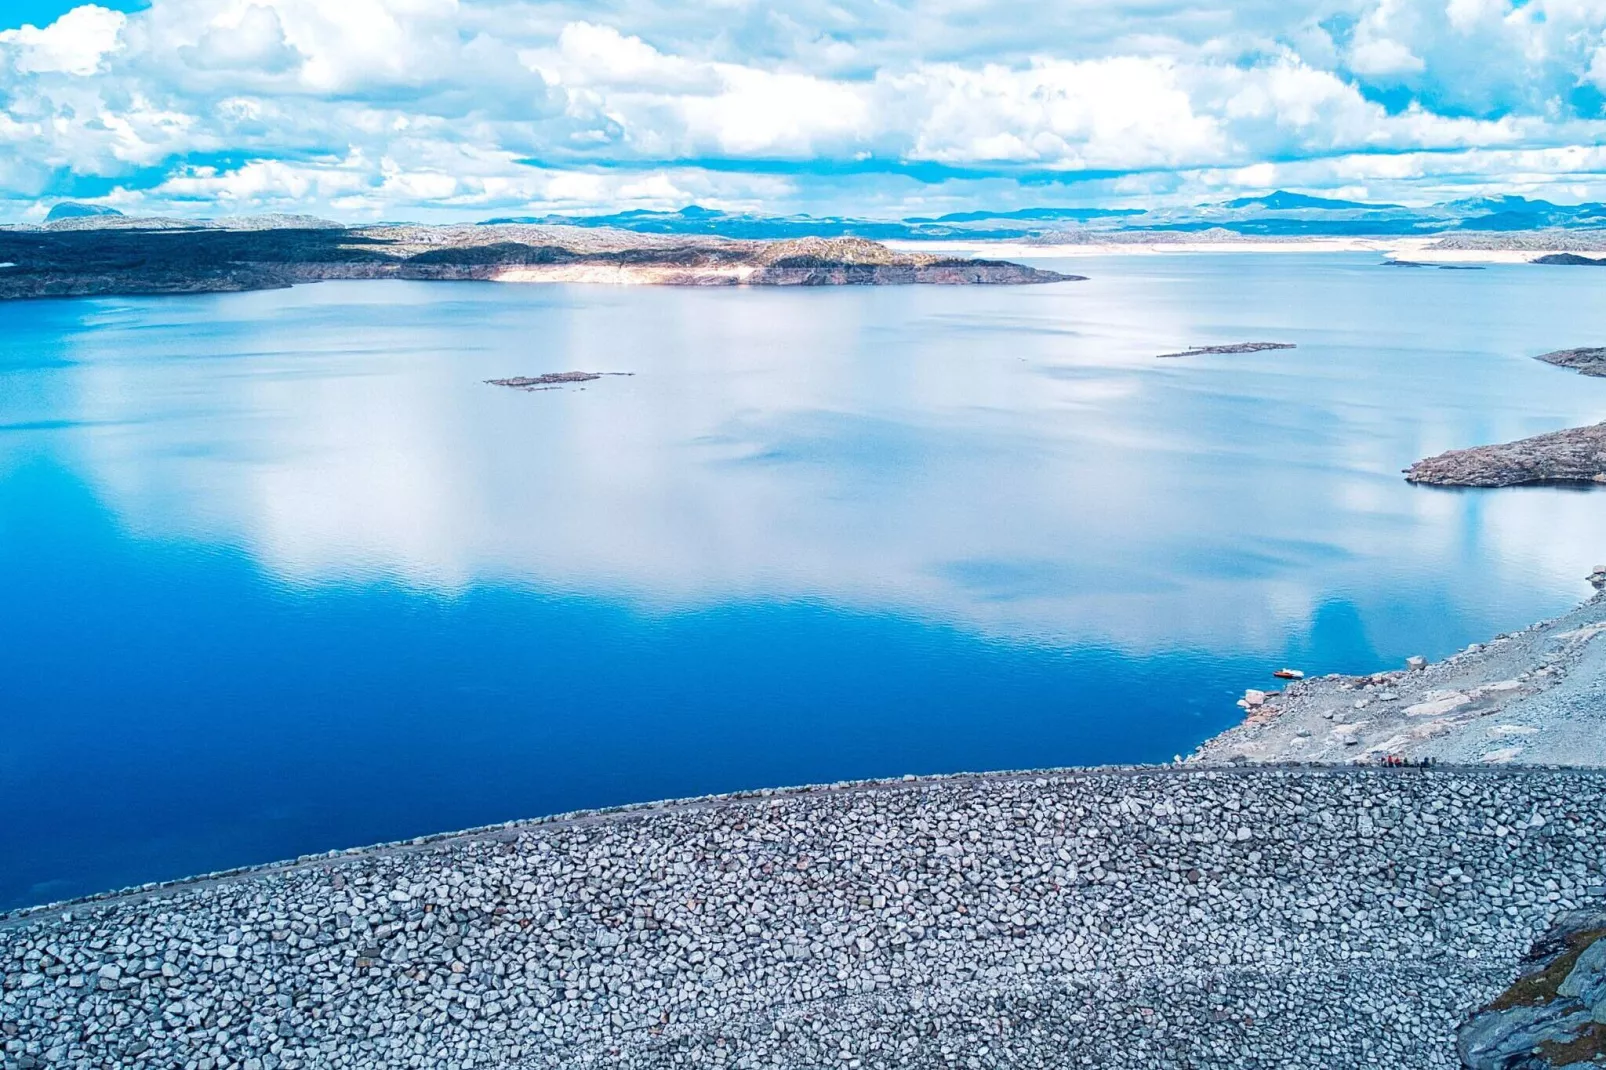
(1554, 1014)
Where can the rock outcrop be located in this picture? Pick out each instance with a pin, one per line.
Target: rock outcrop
(1554, 1015)
(1577, 455)
(1586, 360)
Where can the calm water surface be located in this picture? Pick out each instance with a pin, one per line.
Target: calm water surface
(280, 573)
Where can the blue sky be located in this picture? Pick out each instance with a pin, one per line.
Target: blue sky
(429, 109)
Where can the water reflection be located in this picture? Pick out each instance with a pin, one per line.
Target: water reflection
(1010, 460)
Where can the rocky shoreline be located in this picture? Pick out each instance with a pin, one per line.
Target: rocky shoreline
(1536, 696)
(1262, 917)
(193, 259)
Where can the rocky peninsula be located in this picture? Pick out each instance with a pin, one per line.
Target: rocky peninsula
(1146, 918)
(1576, 455)
(1585, 360)
(120, 256)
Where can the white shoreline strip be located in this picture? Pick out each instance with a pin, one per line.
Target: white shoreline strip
(1412, 249)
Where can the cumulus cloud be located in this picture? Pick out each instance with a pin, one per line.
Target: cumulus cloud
(74, 44)
(254, 42)
(408, 107)
(1383, 57)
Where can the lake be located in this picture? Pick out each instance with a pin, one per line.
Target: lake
(280, 572)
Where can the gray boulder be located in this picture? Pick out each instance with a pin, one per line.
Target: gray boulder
(1553, 1017)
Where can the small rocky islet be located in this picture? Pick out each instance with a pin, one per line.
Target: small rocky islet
(552, 380)
(1220, 350)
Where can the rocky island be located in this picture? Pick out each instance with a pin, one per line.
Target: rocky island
(1227, 350)
(552, 380)
(121, 256)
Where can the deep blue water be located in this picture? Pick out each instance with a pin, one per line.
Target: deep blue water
(279, 572)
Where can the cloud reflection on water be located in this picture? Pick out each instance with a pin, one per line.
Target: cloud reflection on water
(1013, 461)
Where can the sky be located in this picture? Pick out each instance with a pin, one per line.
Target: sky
(468, 109)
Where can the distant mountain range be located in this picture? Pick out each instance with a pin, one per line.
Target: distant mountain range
(1275, 214)
(1279, 214)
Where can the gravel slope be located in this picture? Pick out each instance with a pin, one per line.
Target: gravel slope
(1535, 697)
(1143, 918)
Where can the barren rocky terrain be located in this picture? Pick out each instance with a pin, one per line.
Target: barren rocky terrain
(1537, 696)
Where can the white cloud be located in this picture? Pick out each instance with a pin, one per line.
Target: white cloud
(1382, 56)
(429, 105)
(74, 44)
(1465, 15)
(267, 181)
(1123, 112)
(253, 42)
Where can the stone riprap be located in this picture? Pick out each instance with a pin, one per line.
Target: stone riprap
(1176, 917)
